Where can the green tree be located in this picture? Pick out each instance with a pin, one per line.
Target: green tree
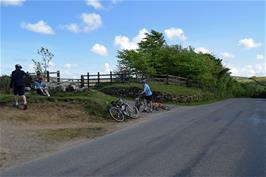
(154, 56)
(47, 56)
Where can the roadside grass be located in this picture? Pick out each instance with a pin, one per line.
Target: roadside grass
(4, 98)
(202, 102)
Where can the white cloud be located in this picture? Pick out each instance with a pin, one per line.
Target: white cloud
(94, 3)
(234, 71)
(70, 66)
(51, 64)
(201, 50)
(258, 69)
(31, 68)
(39, 27)
(175, 33)
(260, 57)
(92, 21)
(99, 50)
(226, 55)
(12, 2)
(71, 74)
(71, 27)
(123, 42)
(107, 67)
(141, 35)
(248, 70)
(249, 43)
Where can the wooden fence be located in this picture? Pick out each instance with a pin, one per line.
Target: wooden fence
(92, 80)
(49, 76)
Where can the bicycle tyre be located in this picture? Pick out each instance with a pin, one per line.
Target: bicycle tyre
(116, 114)
(167, 108)
(132, 112)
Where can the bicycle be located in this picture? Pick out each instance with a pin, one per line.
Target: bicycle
(142, 106)
(120, 108)
(155, 105)
(138, 103)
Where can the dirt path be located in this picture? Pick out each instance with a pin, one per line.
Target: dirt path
(47, 128)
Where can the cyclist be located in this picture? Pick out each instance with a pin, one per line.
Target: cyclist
(148, 95)
(18, 85)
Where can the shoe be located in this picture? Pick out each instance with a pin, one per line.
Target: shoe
(25, 106)
(16, 106)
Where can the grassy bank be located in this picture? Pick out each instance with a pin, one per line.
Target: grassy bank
(130, 90)
(94, 102)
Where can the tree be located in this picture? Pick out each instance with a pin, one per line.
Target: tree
(46, 56)
(145, 58)
(154, 56)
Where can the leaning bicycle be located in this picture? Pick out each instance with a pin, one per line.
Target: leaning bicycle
(120, 108)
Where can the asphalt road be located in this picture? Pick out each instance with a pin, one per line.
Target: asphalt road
(221, 139)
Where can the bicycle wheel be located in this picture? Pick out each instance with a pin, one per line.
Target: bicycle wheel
(167, 108)
(116, 114)
(132, 112)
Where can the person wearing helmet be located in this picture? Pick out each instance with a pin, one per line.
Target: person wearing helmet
(18, 84)
(148, 94)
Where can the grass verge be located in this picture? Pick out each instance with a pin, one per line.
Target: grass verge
(94, 102)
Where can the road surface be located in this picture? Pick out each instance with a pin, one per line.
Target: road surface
(222, 139)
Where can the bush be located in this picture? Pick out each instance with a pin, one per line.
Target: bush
(4, 83)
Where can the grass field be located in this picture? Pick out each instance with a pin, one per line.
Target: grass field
(246, 79)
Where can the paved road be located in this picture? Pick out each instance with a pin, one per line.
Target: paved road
(222, 139)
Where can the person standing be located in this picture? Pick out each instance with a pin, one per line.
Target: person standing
(18, 84)
(148, 94)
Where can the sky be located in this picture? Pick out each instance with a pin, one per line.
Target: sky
(85, 35)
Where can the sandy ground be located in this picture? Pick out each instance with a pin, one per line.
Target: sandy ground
(42, 129)
(46, 128)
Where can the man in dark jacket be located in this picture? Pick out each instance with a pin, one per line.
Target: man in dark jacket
(18, 85)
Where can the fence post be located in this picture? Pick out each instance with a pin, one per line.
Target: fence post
(58, 77)
(48, 76)
(167, 79)
(82, 81)
(98, 79)
(88, 81)
(187, 83)
(111, 77)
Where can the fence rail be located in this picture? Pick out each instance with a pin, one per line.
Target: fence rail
(47, 76)
(91, 80)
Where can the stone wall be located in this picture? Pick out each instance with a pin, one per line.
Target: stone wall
(157, 96)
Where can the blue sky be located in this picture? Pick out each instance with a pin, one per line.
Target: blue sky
(84, 35)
